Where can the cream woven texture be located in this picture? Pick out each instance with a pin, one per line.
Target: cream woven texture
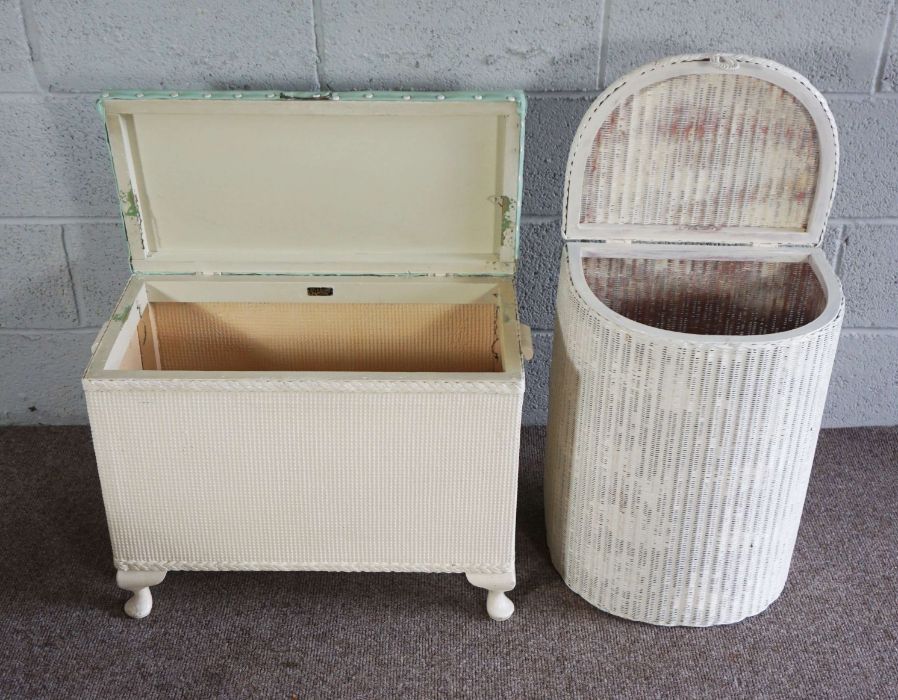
(677, 470)
(334, 337)
(676, 154)
(353, 475)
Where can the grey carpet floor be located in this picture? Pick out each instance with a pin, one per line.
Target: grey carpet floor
(833, 633)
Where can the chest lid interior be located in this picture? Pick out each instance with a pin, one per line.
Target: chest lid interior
(705, 148)
(296, 183)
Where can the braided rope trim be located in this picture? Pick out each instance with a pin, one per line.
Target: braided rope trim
(728, 61)
(311, 386)
(349, 567)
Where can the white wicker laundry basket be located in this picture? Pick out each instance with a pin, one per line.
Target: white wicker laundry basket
(697, 324)
(317, 364)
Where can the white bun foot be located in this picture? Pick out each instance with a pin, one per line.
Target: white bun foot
(140, 603)
(498, 606)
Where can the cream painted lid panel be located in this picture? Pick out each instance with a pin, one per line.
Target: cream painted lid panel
(393, 183)
(329, 186)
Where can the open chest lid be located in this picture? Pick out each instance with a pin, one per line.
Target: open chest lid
(333, 183)
(716, 149)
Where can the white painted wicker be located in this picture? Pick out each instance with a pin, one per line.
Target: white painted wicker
(305, 474)
(688, 381)
(317, 364)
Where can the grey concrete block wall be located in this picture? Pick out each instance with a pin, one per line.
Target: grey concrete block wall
(16, 73)
(864, 380)
(869, 268)
(96, 45)
(37, 289)
(456, 45)
(551, 123)
(98, 260)
(890, 67)
(42, 375)
(868, 135)
(53, 158)
(62, 256)
(836, 44)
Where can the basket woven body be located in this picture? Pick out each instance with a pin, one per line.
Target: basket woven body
(356, 475)
(688, 381)
(677, 471)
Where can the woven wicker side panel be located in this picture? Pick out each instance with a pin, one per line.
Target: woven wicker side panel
(676, 473)
(294, 480)
(704, 151)
(230, 336)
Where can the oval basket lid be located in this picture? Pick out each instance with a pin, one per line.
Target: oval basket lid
(706, 148)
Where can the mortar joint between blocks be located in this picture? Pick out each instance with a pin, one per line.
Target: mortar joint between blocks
(603, 45)
(76, 296)
(884, 47)
(29, 31)
(318, 38)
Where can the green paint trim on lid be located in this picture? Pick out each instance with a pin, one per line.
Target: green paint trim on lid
(324, 96)
(510, 208)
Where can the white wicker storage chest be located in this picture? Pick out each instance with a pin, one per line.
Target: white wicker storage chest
(697, 325)
(317, 363)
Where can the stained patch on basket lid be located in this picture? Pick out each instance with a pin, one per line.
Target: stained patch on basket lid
(709, 148)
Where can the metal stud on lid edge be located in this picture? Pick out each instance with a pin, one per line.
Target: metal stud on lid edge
(515, 96)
